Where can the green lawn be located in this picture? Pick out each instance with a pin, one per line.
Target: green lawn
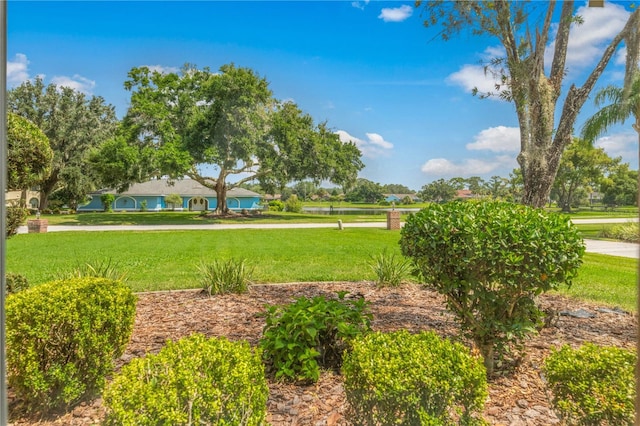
(163, 260)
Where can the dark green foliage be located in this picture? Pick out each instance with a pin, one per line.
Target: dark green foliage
(490, 260)
(276, 206)
(63, 337)
(192, 381)
(15, 217)
(303, 336)
(225, 276)
(15, 283)
(592, 385)
(107, 201)
(403, 379)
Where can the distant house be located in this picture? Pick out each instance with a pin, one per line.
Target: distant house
(33, 198)
(465, 194)
(151, 196)
(397, 198)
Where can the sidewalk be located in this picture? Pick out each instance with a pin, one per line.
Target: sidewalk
(611, 248)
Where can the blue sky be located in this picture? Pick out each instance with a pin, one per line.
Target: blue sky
(369, 68)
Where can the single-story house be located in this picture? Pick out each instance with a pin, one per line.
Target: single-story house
(151, 196)
(397, 198)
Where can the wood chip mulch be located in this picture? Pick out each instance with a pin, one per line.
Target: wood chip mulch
(517, 396)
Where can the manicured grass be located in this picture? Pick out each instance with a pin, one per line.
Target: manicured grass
(606, 279)
(164, 260)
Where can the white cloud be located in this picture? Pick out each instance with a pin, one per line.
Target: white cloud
(77, 82)
(441, 167)
(162, 69)
(588, 40)
(375, 145)
(623, 145)
(360, 4)
(497, 139)
(17, 70)
(471, 77)
(396, 14)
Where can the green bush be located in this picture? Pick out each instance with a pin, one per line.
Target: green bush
(293, 204)
(15, 217)
(303, 336)
(15, 283)
(190, 382)
(390, 270)
(490, 259)
(403, 379)
(173, 201)
(63, 337)
(625, 232)
(592, 385)
(107, 201)
(276, 206)
(225, 276)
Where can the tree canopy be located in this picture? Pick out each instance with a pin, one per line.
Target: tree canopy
(74, 124)
(197, 123)
(522, 74)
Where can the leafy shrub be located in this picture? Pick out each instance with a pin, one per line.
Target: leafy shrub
(15, 283)
(625, 232)
(15, 216)
(490, 259)
(403, 379)
(592, 385)
(293, 204)
(192, 381)
(276, 206)
(143, 206)
(107, 201)
(225, 276)
(63, 337)
(303, 336)
(173, 200)
(390, 270)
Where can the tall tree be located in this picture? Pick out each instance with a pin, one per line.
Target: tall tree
(29, 155)
(365, 191)
(439, 191)
(620, 186)
(581, 166)
(74, 124)
(228, 121)
(523, 79)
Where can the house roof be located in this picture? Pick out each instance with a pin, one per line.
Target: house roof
(182, 187)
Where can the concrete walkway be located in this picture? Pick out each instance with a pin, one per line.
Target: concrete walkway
(611, 248)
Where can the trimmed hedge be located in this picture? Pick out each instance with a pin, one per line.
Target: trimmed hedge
(413, 379)
(192, 381)
(63, 337)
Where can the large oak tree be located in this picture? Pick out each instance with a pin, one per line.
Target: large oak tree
(534, 89)
(74, 124)
(197, 122)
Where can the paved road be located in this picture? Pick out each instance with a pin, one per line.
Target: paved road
(595, 246)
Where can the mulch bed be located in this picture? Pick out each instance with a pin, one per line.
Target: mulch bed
(517, 396)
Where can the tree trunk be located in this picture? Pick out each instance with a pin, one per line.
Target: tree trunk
(46, 189)
(487, 352)
(221, 194)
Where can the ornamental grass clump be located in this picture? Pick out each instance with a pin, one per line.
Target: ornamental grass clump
(391, 270)
(592, 385)
(490, 259)
(300, 338)
(193, 381)
(225, 276)
(63, 338)
(408, 379)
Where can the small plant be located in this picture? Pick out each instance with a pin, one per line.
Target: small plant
(192, 381)
(276, 206)
(15, 283)
(390, 270)
(490, 259)
(15, 216)
(293, 204)
(301, 337)
(173, 201)
(403, 379)
(104, 268)
(63, 338)
(107, 201)
(592, 385)
(143, 206)
(225, 276)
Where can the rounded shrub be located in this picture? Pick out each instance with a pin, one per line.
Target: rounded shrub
(592, 385)
(190, 382)
(490, 259)
(63, 337)
(400, 378)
